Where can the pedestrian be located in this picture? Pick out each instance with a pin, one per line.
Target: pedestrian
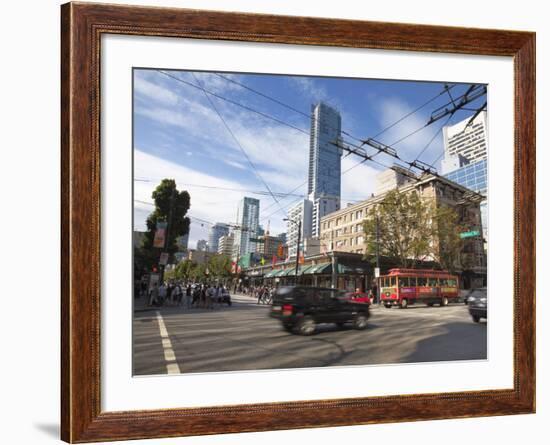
(162, 294)
(188, 296)
(153, 295)
(196, 297)
(208, 293)
(202, 294)
(170, 294)
(178, 294)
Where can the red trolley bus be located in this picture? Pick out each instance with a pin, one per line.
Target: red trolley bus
(401, 287)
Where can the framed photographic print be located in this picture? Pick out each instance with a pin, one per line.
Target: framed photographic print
(275, 222)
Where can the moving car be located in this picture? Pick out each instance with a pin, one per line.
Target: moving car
(477, 304)
(359, 297)
(301, 308)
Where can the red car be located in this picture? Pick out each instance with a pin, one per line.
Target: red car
(359, 297)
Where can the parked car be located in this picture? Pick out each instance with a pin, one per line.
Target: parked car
(301, 308)
(477, 304)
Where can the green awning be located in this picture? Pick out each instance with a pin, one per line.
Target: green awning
(280, 273)
(271, 273)
(304, 269)
(319, 269)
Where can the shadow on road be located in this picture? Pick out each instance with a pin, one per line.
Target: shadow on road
(466, 341)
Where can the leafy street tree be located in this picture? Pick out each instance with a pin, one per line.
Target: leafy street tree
(449, 251)
(403, 229)
(183, 270)
(171, 207)
(411, 231)
(219, 266)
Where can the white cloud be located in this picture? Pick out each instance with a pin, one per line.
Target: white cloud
(359, 182)
(393, 109)
(309, 88)
(154, 91)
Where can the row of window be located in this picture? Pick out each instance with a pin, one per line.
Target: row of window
(354, 216)
(353, 229)
(416, 281)
(352, 241)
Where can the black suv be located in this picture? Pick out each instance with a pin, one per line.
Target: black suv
(301, 308)
(477, 304)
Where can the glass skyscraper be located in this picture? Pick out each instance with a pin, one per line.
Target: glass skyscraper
(324, 155)
(465, 159)
(324, 175)
(215, 233)
(248, 216)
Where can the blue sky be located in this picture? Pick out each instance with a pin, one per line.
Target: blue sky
(179, 135)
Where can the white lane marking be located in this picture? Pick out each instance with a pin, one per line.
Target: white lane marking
(172, 366)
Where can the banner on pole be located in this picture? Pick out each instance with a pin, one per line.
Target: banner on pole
(160, 235)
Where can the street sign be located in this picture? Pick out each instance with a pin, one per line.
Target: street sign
(163, 258)
(469, 234)
(376, 272)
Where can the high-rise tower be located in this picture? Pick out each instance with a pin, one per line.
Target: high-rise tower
(248, 216)
(324, 175)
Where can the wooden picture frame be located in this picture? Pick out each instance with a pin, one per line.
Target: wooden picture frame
(82, 26)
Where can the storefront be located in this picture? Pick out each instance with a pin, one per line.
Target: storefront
(351, 272)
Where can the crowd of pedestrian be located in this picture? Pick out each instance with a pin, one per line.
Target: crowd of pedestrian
(188, 295)
(263, 294)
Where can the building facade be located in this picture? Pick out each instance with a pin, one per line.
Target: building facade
(301, 211)
(325, 159)
(225, 245)
(248, 219)
(214, 234)
(342, 231)
(268, 246)
(392, 178)
(465, 159)
(474, 177)
(467, 139)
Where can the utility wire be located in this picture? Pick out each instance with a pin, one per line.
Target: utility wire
(256, 192)
(433, 138)
(358, 150)
(239, 145)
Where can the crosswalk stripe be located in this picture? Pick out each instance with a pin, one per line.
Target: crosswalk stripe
(172, 366)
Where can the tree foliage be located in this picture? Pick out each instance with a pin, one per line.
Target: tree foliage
(411, 231)
(217, 266)
(449, 251)
(171, 206)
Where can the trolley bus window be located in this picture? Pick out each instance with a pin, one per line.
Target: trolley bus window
(403, 281)
(451, 282)
(421, 281)
(432, 282)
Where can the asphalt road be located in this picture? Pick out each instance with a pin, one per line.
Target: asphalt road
(243, 337)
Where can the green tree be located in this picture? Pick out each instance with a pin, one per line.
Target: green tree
(404, 232)
(412, 231)
(219, 266)
(183, 270)
(171, 206)
(448, 251)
